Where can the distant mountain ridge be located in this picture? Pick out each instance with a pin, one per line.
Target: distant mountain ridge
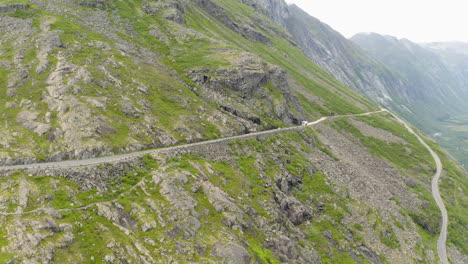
(330, 50)
(426, 74)
(81, 79)
(436, 83)
(455, 56)
(426, 84)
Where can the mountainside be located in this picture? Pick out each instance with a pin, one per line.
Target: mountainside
(340, 57)
(333, 52)
(429, 80)
(94, 78)
(436, 83)
(454, 55)
(420, 85)
(96, 83)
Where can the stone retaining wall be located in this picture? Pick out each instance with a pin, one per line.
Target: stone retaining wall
(94, 174)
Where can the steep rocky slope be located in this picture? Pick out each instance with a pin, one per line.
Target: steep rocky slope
(315, 196)
(108, 76)
(91, 78)
(334, 53)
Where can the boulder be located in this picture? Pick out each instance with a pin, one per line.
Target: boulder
(296, 212)
(231, 254)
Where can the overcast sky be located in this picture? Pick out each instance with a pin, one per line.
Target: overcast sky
(416, 20)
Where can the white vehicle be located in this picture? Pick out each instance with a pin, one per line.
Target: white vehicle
(305, 123)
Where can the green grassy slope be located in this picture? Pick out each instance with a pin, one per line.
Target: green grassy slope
(183, 206)
(134, 71)
(140, 74)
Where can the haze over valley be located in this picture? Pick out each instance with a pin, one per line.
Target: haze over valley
(229, 131)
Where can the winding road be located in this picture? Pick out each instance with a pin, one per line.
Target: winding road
(441, 243)
(128, 156)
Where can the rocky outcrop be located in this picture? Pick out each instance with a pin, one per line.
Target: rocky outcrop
(13, 8)
(231, 254)
(248, 78)
(288, 248)
(13, 25)
(172, 10)
(296, 212)
(94, 3)
(243, 28)
(27, 120)
(172, 189)
(29, 234)
(276, 9)
(91, 177)
(116, 214)
(48, 41)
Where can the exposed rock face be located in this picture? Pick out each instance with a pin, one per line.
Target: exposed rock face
(249, 79)
(94, 3)
(172, 189)
(244, 29)
(295, 210)
(231, 254)
(287, 247)
(13, 8)
(46, 44)
(27, 120)
(246, 77)
(116, 214)
(172, 10)
(30, 234)
(276, 9)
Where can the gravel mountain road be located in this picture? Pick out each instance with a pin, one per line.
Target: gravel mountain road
(441, 242)
(116, 158)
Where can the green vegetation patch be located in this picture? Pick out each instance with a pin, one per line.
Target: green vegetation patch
(406, 156)
(454, 187)
(261, 253)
